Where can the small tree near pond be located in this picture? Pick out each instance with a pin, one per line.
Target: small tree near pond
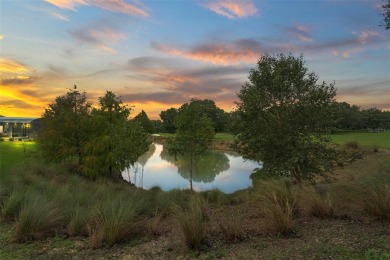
(194, 132)
(280, 117)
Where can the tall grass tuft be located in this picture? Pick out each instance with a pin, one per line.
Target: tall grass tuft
(78, 222)
(12, 206)
(192, 223)
(155, 222)
(376, 201)
(38, 218)
(116, 220)
(279, 208)
(314, 204)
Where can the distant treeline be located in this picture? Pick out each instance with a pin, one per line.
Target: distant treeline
(346, 116)
(352, 117)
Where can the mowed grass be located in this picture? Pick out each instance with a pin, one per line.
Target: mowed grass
(13, 153)
(381, 139)
(218, 136)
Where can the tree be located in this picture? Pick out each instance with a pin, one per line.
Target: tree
(64, 132)
(347, 116)
(386, 14)
(194, 133)
(116, 142)
(168, 118)
(208, 108)
(143, 120)
(280, 117)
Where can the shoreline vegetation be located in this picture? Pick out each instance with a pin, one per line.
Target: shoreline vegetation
(49, 212)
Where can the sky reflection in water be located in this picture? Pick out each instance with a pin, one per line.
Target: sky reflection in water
(226, 171)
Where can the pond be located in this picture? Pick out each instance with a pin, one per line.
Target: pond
(226, 171)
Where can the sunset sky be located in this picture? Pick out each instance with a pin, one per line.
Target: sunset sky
(159, 54)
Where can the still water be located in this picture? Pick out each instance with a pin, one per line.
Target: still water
(226, 171)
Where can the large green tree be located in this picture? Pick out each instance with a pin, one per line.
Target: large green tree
(208, 108)
(280, 118)
(194, 132)
(115, 142)
(168, 119)
(64, 130)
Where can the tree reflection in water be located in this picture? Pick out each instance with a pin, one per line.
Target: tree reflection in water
(207, 168)
(138, 167)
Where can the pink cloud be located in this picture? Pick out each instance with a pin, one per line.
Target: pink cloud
(118, 6)
(366, 35)
(232, 9)
(216, 53)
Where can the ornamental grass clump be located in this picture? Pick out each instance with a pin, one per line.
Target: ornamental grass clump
(376, 201)
(39, 218)
(279, 209)
(192, 222)
(314, 204)
(13, 204)
(115, 220)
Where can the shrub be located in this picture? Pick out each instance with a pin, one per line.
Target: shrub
(1, 139)
(352, 145)
(376, 201)
(11, 139)
(314, 204)
(192, 223)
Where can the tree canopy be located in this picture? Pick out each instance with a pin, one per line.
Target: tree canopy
(280, 116)
(143, 120)
(64, 129)
(102, 138)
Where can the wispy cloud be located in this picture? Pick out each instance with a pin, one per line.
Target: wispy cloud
(236, 52)
(232, 9)
(11, 66)
(366, 35)
(301, 32)
(118, 6)
(103, 37)
(17, 80)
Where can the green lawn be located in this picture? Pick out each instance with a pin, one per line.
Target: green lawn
(340, 137)
(12, 153)
(363, 138)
